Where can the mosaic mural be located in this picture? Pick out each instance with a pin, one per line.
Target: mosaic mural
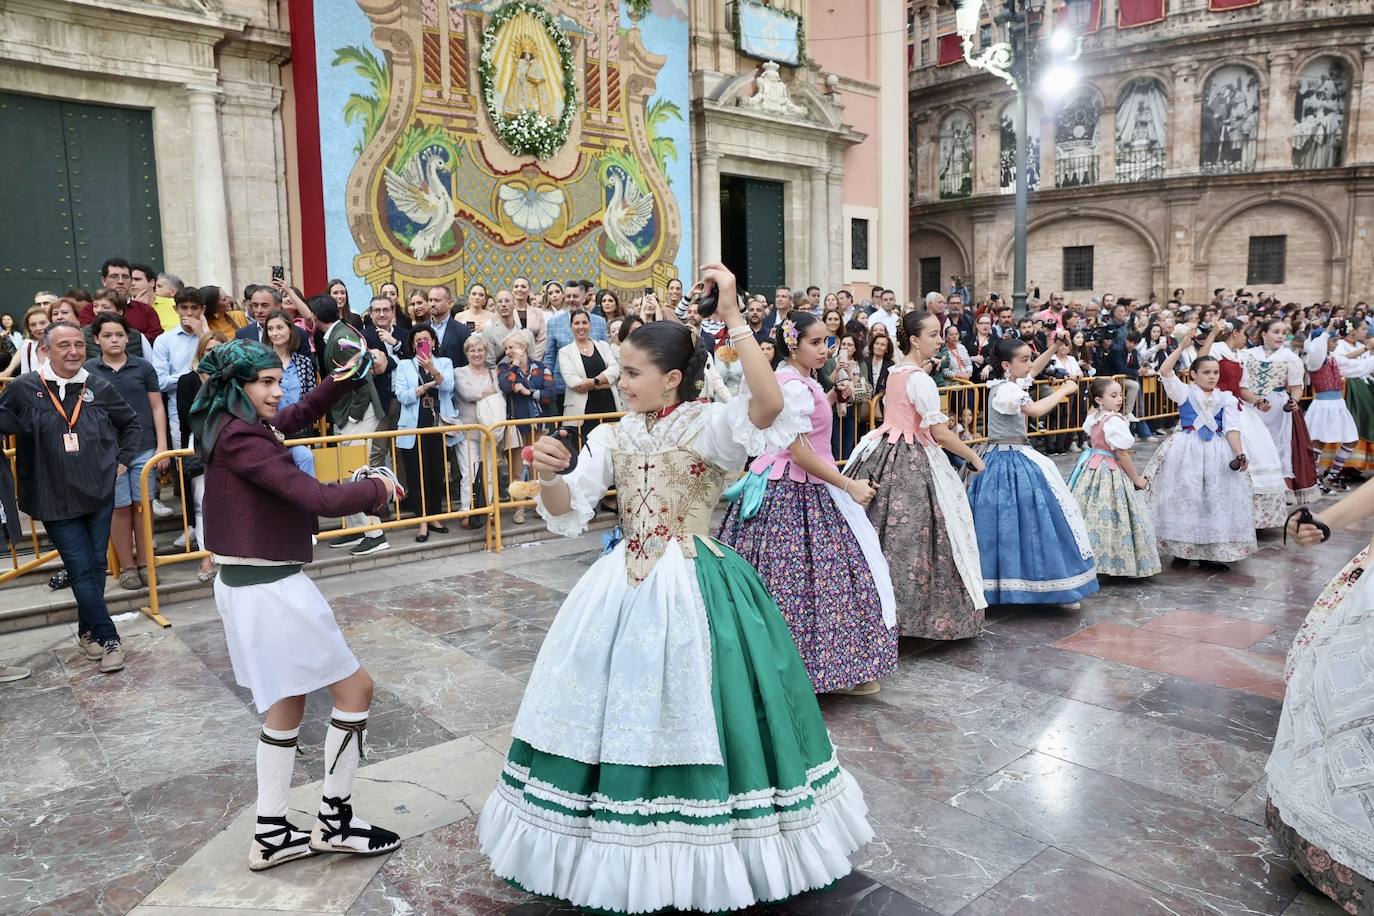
(478, 141)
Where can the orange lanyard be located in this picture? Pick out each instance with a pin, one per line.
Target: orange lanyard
(76, 411)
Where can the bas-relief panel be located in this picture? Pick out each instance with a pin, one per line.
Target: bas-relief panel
(475, 141)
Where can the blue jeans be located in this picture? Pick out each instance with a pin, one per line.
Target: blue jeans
(83, 543)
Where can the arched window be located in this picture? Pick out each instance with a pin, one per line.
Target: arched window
(1142, 113)
(1006, 161)
(1319, 115)
(1075, 141)
(956, 155)
(1230, 120)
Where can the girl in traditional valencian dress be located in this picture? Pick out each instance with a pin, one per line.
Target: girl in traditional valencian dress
(1276, 374)
(669, 751)
(1107, 487)
(920, 509)
(1032, 541)
(1199, 491)
(801, 524)
(1359, 395)
(260, 516)
(1269, 490)
(1329, 421)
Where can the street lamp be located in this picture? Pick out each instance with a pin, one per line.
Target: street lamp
(1014, 61)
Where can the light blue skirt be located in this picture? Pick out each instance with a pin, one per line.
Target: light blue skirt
(1031, 538)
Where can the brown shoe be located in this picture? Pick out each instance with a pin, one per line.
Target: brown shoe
(113, 659)
(129, 579)
(89, 647)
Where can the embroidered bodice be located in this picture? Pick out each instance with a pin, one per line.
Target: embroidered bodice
(777, 461)
(1005, 419)
(903, 417)
(1328, 377)
(664, 496)
(1272, 371)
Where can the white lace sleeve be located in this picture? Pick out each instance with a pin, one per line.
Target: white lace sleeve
(1117, 432)
(1297, 373)
(587, 484)
(1314, 356)
(729, 437)
(1008, 397)
(923, 393)
(1175, 389)
(1230, 411)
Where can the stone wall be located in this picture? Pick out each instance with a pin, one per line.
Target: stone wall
(1186, 225)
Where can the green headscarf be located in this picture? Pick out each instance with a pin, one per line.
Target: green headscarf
(227, 367)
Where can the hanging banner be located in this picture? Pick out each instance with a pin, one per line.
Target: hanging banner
(1131, 13)
(951, 50)
(1221, 6)
(1061, 17)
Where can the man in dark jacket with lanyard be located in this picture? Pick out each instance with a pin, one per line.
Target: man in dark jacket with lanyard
(74, 435)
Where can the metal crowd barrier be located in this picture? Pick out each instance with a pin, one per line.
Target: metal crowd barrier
(498, 450)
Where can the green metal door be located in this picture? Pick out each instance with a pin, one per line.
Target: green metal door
(751, 238)
(80, 185)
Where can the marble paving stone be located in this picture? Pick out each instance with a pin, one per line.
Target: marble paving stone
(558, 576)
(147, 910)
(1210, 628)
(1206, 858)
(49, 845)
(1055, 883)
(1242, 719)
(1309, 904)
(938, 856)
(412, 795)
(1067, 674)
(924, 753)
(1181, 763)
(1250, 806)
(390, 733)
(460, 693)
(381, 898)
(48, 745)
(103, 896)
(509, 646)
(1236, 669)
(181, 814)
(499, 739)
(1277, 642)
(444, 871)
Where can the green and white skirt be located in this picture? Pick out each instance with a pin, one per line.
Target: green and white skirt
(775, 816)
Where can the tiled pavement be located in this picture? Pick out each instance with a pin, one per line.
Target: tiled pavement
(1104, 761)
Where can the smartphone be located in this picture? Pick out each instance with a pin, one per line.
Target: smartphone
(649, 291)
(278, 272)
(424, 348)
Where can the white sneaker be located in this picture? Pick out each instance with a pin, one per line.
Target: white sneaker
(180, 542)
(161, 510)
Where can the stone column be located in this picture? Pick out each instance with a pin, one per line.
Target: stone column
(927, 147)
(1360, 133)
(1276, 123)
(708, 208)
(207, 188)
(839, 226)
(893, 116)
(1184, 124)
(819, 227)
(1106, 143)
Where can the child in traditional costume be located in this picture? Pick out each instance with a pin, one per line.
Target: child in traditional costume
(1268, 488)
(800, 522)
(1276, 373)
(920, 509)
(669, 751)
(261, 512)
(1032, 541)
(1329, 420)
(1107, 487)
(1199, 491)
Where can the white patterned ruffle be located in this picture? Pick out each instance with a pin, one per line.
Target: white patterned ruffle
(645, 868)
(794, 421)
(624, 675)
(570, 524)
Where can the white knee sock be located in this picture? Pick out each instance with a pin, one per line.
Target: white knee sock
(343, 745)
(276, 761)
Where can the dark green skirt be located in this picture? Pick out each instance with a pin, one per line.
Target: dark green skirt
(778, 817)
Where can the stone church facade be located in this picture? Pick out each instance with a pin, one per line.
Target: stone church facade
(1211, 149)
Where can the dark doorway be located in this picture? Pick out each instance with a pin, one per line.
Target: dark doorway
(80, 186)
(751, 233)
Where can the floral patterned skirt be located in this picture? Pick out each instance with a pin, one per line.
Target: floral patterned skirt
(814, 568)
(911, 513)
(1351, 891)
(1119, 523)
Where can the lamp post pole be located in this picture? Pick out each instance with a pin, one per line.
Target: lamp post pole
(1020, 59)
